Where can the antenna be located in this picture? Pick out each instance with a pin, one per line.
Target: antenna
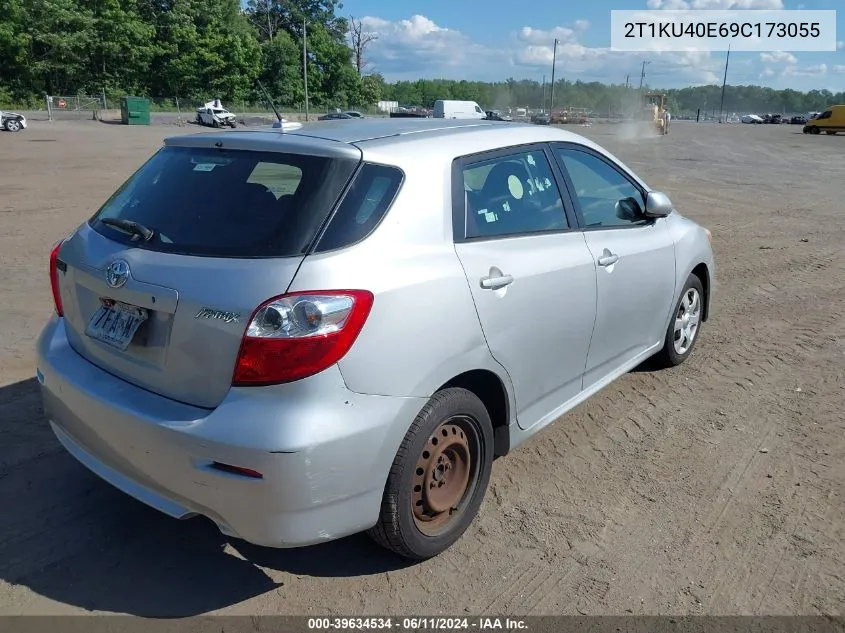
(278, 124)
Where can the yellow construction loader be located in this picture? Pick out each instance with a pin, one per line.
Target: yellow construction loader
(654, 112)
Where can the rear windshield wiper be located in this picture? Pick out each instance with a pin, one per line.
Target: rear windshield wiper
(138, 230)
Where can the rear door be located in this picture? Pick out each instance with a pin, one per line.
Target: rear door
(531, 275)
(229, 230)
(634, 256)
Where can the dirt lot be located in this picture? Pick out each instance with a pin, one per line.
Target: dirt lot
(714, 488)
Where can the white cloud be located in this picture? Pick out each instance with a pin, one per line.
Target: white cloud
(538, 36)
(840, 45)
(417, 45)
(715, 4)
(806, 71)
(778, 57)
(839, 69)
(582, 25)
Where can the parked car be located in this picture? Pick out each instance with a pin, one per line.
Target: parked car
(541, 118)
(12, 121)
(335, 116)
(213, 114)
(798, 120)
(364, 350)
(410, 112)
(354, 114)
(752, 118)
(496, 115)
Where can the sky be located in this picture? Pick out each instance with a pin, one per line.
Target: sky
(495, 39)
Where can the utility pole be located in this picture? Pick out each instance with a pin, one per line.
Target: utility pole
(552, 97)
(305, 68)
(724, 81)
(642, 74)
(543, 106)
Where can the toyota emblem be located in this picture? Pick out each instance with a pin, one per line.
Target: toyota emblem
(117, 273)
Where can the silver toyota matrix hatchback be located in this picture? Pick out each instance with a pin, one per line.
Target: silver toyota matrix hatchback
(307, 334)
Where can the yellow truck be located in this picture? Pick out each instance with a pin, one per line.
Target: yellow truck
(830, 121)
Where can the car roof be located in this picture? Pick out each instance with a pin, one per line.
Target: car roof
(387, 137)
(400, 130)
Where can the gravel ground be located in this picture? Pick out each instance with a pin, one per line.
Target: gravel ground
(712, 488)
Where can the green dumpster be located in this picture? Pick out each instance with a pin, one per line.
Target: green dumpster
(135, 111)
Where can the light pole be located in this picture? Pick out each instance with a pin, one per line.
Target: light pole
(552, 97)
(724, 81)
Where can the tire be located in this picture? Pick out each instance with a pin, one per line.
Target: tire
(814, 130)
(831, 132)
(413, 524)
(13, 125)
(215, 124)
(675, 352)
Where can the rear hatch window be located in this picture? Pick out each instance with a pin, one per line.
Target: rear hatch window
(158, 287)
(224, 203)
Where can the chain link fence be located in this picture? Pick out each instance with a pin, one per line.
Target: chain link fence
(76, 107)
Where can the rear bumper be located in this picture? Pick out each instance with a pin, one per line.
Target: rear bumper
(323, 450)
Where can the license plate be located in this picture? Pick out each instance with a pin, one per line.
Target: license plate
(115, 324)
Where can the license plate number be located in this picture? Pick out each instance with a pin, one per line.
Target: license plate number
(116, 324)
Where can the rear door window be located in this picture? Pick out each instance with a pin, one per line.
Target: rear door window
(363, 206)
(227, 203)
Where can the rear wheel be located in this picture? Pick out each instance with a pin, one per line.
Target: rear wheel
(831, 132)
(683, 329)
(438, 478)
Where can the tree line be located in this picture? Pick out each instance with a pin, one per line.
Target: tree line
(196, 50)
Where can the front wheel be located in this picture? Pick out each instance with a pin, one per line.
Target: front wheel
(814, 130)
(13, 125)
(438, 478)
(683, 329)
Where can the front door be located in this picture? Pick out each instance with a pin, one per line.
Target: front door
(531, 274)
(635, 262)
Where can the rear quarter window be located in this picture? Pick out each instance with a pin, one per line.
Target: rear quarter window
(228, 203)
(363, 207)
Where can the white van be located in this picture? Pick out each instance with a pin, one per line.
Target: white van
(449, 109)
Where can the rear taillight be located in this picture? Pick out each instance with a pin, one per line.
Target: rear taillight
(300, 334)
(55, 262)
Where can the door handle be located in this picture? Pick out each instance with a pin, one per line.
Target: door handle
(607, 258)
(496, 280)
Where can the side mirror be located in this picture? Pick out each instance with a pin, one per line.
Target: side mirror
(658, 205)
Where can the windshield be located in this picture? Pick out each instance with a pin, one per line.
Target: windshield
(226, 203)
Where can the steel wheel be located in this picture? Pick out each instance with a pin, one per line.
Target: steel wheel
(445, 474)
(12, 125)
(687, 320)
